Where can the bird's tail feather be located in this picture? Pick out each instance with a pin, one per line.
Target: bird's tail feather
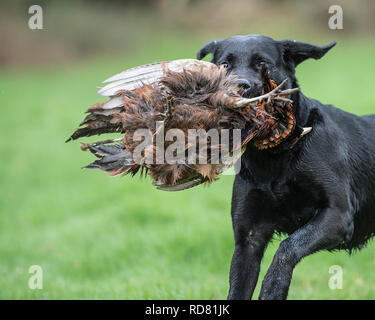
(114, 159)
(98, 121)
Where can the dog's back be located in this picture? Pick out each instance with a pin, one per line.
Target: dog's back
(355, 138)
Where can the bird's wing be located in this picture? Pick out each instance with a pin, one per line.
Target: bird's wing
(146, 74)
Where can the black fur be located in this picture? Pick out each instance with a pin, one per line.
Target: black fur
(321, 192)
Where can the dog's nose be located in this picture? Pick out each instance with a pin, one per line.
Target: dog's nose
(244, 84)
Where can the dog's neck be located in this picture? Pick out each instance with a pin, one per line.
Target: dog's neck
(300, 108)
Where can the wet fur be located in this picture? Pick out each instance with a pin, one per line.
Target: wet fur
(321, 192)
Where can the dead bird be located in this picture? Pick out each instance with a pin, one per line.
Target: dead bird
(186, 95)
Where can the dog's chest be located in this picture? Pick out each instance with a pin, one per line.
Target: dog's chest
(282, 189)
(289, 201)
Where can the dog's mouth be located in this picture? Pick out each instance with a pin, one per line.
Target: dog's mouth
(277, 118)
(281, 125)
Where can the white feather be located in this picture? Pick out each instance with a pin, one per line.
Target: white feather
(135, 72)
(146, 74)
(114, 87)
(114, 102)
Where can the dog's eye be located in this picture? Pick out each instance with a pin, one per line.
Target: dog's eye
(225, 64)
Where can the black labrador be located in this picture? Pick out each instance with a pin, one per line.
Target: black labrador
(318, 188)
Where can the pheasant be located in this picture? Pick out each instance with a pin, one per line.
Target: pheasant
(187, 95)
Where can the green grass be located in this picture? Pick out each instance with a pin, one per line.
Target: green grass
(98, 237)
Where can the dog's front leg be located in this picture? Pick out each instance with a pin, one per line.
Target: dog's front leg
(250, 243)
(325, 231)
(252, 232)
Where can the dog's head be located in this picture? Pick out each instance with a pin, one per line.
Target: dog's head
(248, 56)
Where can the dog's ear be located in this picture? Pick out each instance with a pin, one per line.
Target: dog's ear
(209, 47)
(296, 51)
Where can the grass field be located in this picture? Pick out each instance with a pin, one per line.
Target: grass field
(98, 237)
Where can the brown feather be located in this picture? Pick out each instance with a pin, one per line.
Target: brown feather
(200, 98)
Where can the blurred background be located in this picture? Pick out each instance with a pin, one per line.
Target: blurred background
(97, 237)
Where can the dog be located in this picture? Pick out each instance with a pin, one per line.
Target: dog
(318, 188)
